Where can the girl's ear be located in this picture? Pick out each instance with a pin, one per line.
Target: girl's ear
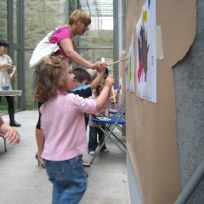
(76, 82)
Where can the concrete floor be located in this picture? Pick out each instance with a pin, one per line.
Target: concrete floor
(22, 181)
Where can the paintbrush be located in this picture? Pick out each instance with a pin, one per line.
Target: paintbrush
(117, 62)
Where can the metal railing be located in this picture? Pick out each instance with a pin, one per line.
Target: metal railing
(191, 185)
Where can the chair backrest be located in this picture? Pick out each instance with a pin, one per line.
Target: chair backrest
(121, 113)
(115, 119)
(121, 109)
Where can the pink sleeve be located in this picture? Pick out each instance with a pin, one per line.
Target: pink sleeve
(86, 105)
(61, 33)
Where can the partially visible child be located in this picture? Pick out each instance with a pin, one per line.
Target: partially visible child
(117, 90)
(84, 88)
(94, 130)
(9, 132)
(63, 126)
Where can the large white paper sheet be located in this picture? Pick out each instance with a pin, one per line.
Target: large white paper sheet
(146, 73)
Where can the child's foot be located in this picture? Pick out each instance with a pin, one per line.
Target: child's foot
(92, 153)
(85, 164)
(105, 150)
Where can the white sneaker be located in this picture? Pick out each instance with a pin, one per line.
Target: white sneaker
(105, 150)
(92, 153)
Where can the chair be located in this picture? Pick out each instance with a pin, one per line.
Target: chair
(4, 141)
(121, 111)
(114, 121)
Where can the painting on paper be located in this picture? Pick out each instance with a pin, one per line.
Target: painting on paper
(146, 52)
(131, 66)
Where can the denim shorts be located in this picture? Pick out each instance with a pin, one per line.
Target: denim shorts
(68, 178)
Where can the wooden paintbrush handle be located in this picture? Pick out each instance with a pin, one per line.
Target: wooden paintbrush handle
(117, 62)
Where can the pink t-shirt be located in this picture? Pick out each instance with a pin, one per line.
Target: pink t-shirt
(63, 126)
(57, 36)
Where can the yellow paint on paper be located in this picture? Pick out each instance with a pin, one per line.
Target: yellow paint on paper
(144, 16)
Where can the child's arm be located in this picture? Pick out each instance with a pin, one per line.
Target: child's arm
(105, 94)
(97, 79)
(108, 106)
(13, 72)
(9, 133)
(3, 65)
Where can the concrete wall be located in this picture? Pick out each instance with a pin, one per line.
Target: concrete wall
(134, 190)
(189, 92)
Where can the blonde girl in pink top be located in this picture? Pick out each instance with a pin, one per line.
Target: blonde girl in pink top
(78, 24)
(63, 127)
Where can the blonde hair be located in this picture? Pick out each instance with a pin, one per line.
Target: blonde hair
(50, 76)
(79, 16)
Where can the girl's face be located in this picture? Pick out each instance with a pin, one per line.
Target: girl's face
(70, 79)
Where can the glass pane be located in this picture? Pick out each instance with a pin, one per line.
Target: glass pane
(97, 7)
(16, 21)
(30, 102)
(15, 61)
(97, 42)
(95, 55)
(3, 19)
(3, 35)
(16, 79)
(101, 23)
(95, 38)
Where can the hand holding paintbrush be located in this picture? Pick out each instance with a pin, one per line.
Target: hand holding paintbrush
(114, 99)
(112, 63)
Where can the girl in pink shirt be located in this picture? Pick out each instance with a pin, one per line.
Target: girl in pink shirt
(78, 24)
(63, 127)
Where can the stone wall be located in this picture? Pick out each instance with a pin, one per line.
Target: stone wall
(41, 16)
(3, 21)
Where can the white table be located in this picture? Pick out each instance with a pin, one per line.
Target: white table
(10, 93)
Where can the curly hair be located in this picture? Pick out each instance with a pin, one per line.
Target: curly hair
(79, 16)
(50, 76)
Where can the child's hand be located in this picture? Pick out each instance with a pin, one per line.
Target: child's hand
(102, 71)
(110, 80)
(97, 114)
(10, 76)
(13, 136)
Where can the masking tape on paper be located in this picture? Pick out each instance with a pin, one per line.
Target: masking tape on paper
(159, 44)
